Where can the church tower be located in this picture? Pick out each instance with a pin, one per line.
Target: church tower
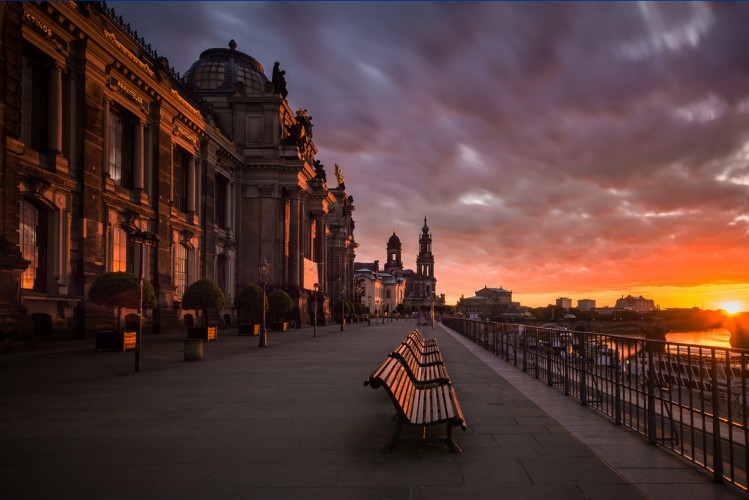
(425, 264)
(394, 264)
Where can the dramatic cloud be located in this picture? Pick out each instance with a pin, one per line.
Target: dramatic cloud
(556, 149)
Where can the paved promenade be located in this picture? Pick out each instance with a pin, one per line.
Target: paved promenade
(294, 421)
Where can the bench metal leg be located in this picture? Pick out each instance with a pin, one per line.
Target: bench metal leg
(390, 448)
(454, 448)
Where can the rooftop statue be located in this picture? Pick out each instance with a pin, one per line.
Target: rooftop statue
(300, 132)
(320, 170)
(339, 177)
(279, 80)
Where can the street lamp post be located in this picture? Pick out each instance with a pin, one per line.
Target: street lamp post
(432, 310)
(369, 310)
(263, 271)
(343, 305)
(145, 239)
(314, 327)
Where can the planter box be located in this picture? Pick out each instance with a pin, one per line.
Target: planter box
(205, 333)
(279, 327)
(249, 329)
(113, 341)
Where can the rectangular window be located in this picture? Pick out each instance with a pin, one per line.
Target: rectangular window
(119, 250)
(29, 251)
(221, 201)
(180, 270)
(33, 241)
(34, 99)
(120, 161)
(180, 160)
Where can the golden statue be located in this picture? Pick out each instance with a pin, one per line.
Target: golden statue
(339, 177)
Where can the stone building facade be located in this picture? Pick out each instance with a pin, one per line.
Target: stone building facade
(101, 138)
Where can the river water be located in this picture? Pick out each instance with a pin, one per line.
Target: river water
(718, 337)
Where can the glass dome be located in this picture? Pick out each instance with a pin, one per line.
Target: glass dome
(225, 71)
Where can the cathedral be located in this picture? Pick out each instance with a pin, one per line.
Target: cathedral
(103, 142)
(420, 285)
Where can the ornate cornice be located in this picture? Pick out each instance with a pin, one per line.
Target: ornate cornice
(132, 57)
(50, 177)
(115, 201)
(184, 227)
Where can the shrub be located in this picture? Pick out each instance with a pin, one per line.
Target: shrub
(120, 289)
(202, 295)
(250, 301)
(279, 303)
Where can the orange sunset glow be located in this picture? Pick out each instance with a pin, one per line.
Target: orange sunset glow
(583, 150)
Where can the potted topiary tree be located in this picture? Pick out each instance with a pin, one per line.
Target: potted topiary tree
(203, 295)
(279, 303)
(249, 303)
(117, 290)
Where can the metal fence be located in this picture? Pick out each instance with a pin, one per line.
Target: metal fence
(689, 399)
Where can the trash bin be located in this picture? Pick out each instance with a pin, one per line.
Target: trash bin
(193, 349)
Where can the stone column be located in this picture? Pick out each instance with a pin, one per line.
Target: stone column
(191, 184)
(54, 125)
(138, 164)
(228, 206)
(105, 131)
(294, 230)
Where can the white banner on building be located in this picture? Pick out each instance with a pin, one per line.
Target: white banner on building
(311, 274)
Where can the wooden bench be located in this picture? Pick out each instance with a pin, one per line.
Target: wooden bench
(428, 357)
(416, 334)
(416, 363)
(418, 405)
(421, 375)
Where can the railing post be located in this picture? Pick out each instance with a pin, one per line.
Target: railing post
(566, 362)
(617, 385)
(549, 367)
(506, 340)
(717, 440)
(583, 376)
(652, 431)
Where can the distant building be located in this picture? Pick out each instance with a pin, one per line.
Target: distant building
(586, 305)
(564, 302)
(637, 304)
(489, 303)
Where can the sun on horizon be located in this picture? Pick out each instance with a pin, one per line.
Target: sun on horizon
(732, 307)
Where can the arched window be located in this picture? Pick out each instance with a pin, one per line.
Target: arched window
(180, 270)
(33, 241)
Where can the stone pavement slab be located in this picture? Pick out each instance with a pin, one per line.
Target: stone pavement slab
(292, 420)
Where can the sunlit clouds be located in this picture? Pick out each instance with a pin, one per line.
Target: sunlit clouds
(582, 150)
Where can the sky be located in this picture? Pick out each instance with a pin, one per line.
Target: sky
(581, 150)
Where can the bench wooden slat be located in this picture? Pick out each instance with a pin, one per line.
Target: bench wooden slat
(418, 405)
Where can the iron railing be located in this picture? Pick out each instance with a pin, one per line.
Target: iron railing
(692, 400)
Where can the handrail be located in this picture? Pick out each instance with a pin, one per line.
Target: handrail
(690, 399)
